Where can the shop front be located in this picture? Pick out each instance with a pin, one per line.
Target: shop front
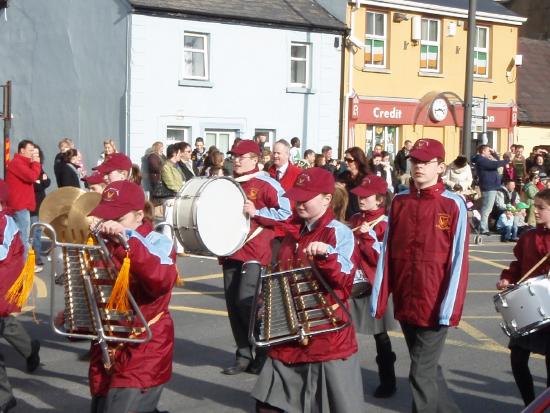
(388, 122)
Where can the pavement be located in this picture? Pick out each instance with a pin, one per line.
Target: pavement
(475, 359)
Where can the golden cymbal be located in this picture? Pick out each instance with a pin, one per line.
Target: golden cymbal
(58, 203)
(78, 223)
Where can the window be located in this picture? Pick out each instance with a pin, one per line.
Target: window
(481, 52)
(195, 56)
(375, 39)
(221, 139)
(386, 136)
(178, 133)
(271, 136)
(299, 65)
(429, 46)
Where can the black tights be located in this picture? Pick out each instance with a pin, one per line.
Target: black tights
(519, 359)
(383, 344)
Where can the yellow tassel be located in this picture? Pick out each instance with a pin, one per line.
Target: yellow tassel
(119, 296)
(21, 288)
(90, 241)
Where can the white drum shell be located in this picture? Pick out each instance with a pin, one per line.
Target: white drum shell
(209, 218)
(525, 308)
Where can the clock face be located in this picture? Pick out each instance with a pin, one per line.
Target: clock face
(439, 110)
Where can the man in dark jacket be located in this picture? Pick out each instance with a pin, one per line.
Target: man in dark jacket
(487, 163)
(400, 162)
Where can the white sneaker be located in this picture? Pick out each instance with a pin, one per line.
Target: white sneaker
(38, 268)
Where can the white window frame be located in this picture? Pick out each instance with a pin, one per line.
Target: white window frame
(485, 49)
(232, 135)
(186, 133)
(307, 59)
(271, 135)
(375, 37)
(430, 43)
(387, 143)
(205, 52)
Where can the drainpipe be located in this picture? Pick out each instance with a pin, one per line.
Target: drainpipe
(349, 92)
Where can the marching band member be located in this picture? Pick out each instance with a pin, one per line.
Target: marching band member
(116, 167)
(424, 264)
(322, 375)
(532, 246)
(369, 226)
(139, 372)
(11, 263)
(266, 207)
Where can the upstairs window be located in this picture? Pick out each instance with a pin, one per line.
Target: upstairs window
(481, 52)
(300, 65)
(375, 39)
(195, 56)
(430, 49)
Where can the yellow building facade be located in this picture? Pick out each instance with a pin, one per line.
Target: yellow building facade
(405, 69)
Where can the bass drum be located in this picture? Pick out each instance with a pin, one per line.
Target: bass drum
(209, 218)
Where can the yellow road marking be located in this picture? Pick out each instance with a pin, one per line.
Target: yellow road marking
(481, 317)
(493, 252)
(483, 291)
(488, 262)
(41, 289)
(202, 277)
(484, 273)
(198, 293)
(198, 310)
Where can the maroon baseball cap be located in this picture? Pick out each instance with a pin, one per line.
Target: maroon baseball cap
(371, 185)
(310, 183)
(115, 162)
(427, 149)
(245, 146)
(94, 179)
(3, 191)
(119, 198)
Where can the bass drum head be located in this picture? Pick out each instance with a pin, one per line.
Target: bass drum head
(219, 217)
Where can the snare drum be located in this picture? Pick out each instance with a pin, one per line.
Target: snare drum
(209, 218)
(525, 308)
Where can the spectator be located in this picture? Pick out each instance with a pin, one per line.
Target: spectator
(487, 164)
(259, 138)
(295, 155)
(64, 145)
(40, 186)
(135, 174)
(506, 196)
(505, 226)
(185, 163)
(216, 165)
(330, 164)
(320, 161)
(109, 148)
(538, 165)
(508, 172)
(358, 168)
(22, 172)
(266, 160)
(69, 174)
(459, 175)
(173, 180)
(153, 161)
(309, 158)
(401, 162)
(198, 155)
(518, 162)
(531, 189)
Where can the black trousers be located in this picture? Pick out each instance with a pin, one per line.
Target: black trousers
(240, 288)
(429, 389)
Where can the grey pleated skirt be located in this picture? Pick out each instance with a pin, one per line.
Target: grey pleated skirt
(362, 320)
(324, 387)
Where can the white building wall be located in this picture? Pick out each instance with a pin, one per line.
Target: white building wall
(249, 75)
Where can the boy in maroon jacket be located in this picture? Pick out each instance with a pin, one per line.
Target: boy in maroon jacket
(424, 264)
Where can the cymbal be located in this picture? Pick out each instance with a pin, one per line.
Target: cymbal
(58, 203)
(78, 225)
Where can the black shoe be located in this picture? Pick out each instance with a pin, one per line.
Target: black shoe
(384, 392)
(386, 373)
(236, 368)
(33, 361)
(256, 366)
(10, 404)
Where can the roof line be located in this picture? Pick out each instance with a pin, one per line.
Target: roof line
(175, 13)
(443, 10)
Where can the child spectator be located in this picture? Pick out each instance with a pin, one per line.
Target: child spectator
(505, 225)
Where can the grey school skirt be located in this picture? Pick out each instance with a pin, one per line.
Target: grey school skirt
(324, 387)
(364, 323)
